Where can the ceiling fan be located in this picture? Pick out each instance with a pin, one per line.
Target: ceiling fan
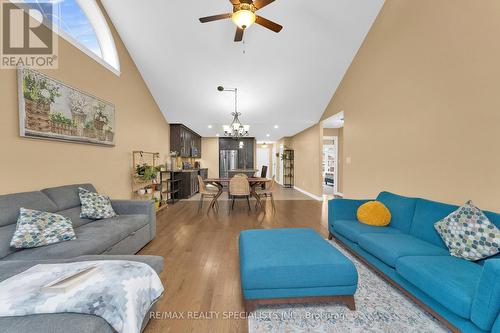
(243, 16)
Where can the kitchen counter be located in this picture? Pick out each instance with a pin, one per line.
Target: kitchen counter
(186, 170)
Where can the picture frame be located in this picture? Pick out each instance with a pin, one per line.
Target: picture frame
(52, 110)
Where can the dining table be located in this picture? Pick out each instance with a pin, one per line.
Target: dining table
(220, 183)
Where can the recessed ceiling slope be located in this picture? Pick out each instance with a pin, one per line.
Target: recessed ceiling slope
(286, 79)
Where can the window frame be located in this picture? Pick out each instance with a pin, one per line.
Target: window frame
(103, 34)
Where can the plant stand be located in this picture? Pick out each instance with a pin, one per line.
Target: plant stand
(152, 159)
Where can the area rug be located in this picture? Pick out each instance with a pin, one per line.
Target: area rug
(379, 308)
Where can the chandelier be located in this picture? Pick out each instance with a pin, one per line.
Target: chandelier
(236, 130)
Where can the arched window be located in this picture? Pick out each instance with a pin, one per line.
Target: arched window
(82, 23)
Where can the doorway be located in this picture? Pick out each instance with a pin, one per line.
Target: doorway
(280, 173)
(332, 150)
(263, 159)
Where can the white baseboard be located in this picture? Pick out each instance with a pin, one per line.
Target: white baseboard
(339, 194)
(315, 197)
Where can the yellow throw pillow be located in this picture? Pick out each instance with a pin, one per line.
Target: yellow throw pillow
(374, 213)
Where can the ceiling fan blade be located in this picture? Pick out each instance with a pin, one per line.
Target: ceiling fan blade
(268, 24)
(239, 35)
(261, 3)
(215, 17)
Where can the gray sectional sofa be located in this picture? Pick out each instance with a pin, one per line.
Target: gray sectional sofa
(115, 238)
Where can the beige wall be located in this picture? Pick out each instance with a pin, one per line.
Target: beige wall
(210, 156)
(339, 133)
(31, 164)
(422, 103)
(308, 151)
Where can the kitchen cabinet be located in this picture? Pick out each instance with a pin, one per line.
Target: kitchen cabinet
(242, 149)
(189, 185)
(184, 141)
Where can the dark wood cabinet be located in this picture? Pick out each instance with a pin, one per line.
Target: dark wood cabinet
(184, 141)
(189, 183)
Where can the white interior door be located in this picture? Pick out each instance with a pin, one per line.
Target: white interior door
(263, 159)
(330, 161)
(274, 161)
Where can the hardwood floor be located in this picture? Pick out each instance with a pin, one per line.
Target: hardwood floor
(201, 275)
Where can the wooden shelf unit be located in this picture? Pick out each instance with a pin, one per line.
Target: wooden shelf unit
(288, 168)
(140, 157)
(171, 191)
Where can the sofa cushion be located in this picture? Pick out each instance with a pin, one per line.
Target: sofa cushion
(74, 215)
(92, 238)
(66, 197)
(493, 217)
(486, 304)
(389, 247)
(427, 213)
(401, 208)
(36, 228)
(469, 234)
(6, 233)
(352, 229)
(11, 203)
(374, 213)
(448, 280)
(94, 205)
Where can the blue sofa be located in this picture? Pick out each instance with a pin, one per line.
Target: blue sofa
(411, 254)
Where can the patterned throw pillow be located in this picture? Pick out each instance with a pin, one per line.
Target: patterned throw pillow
(35, 228)
(95, 206)
(469, 234)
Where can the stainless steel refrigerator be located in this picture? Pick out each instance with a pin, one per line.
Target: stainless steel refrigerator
(228, 161)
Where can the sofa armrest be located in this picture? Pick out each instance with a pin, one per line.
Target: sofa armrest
(343, 209)
(144, 207)
(486, 303)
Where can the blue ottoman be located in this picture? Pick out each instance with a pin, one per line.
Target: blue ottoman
(293, 266)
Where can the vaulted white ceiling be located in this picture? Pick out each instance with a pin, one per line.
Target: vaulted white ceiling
(285, 79)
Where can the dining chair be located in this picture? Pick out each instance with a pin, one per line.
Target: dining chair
(241, 175)
(205, 192)
(268, 191)
(239, 187)
(263, 174)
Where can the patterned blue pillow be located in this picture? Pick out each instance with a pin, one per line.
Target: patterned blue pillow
(95, 206)
(469, 234)
(35, 228)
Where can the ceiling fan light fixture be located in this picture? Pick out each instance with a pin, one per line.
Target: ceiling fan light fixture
(244, 18)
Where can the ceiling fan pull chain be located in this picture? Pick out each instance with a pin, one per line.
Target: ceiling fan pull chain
(244, 47)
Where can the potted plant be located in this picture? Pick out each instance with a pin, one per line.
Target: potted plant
(157, 203)
(146, 172)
